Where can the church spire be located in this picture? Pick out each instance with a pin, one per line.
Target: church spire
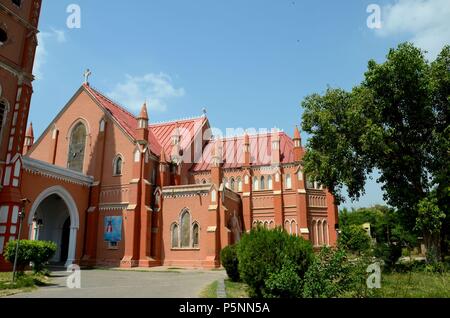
(143, 124)
(29, 139)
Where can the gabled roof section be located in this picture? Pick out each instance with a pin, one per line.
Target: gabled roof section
(123, 117)
(260, 151)
(188, 128)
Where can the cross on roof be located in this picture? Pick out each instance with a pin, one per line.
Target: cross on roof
(86, 75)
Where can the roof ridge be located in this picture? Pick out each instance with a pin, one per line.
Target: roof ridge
(115, 103)
(281, 132)
(174, 121)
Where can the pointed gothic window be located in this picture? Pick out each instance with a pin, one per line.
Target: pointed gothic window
(185, 229)
(232, 183)
(3, 112)
(269, 183)
(255, 184)
(263, 183)
(175, 239)
(195, 235)
(288, 181)
(239, 184)
(118, 162)
(77, 148)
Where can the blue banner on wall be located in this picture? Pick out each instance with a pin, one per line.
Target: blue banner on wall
(113, 229)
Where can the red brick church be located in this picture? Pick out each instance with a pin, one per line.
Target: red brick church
(115, 189)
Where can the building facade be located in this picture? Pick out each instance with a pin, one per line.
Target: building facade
(18, 40)
(114, 189)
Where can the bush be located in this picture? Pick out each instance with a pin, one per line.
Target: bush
(230, 262)
(354, 238)
(284, 284)
(332, 274)
(38, 253)
(268, 257)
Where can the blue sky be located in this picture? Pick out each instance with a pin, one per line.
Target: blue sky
(250, 63)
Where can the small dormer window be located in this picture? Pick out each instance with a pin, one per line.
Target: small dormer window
(17, 2)
(3, 36)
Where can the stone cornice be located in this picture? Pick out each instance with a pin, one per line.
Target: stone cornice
(51, 171)
(186, 190)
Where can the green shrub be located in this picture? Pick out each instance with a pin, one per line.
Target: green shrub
(264, 253)
(284, 284)
(230, 262)
(332, 275)
(354, 238)
(37, 253)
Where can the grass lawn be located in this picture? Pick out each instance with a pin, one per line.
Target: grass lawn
(24, 283)
(210, 291)
(415, 285)
(393, 285)
(235, 290)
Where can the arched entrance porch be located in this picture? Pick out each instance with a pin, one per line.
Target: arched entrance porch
(54, 217)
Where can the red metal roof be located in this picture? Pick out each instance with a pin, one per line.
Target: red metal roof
(126, 120)
(260, 151)
(188, 129)
(160, 134)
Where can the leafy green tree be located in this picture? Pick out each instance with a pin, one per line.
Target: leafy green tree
(354, 238)
(396, 122)
(429, 221)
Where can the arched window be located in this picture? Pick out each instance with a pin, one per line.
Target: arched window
(195, 235)
(175, 238)
(185, 233)
(314, 237)
(203, 181)
(294, 230)
(288, 181)
(239, 184)
(287, 226)
(232, 184)
(3, 113)
(118, 161)
(263, 183)
(77, 148)
(319, 233)
(255, 184)
(269, 183)
(325, 233)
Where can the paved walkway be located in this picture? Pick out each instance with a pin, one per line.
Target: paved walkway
(148, 283)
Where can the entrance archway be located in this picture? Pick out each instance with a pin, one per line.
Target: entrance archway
(54, 217)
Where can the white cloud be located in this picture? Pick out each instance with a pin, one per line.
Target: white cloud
(156, 89)
(41, 51)
(426, 21)
(60, 35)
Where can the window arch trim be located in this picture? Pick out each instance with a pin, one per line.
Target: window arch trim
(118, 157)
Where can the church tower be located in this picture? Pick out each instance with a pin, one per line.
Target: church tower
(18, 41)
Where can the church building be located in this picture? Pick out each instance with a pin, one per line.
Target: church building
(111, 188)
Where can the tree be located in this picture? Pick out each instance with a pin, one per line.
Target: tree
(397, 122)
(429, 221)
(354, 238)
